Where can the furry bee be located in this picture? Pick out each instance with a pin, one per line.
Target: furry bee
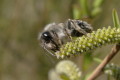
(55, 35)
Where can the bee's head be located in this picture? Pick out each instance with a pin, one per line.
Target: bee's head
(46, 36)
(48, 41)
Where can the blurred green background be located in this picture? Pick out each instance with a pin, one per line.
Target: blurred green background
(21, 57)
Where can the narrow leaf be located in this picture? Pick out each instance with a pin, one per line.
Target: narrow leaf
(76, 12)
(97, 3)
(115, 19)
(84, 7)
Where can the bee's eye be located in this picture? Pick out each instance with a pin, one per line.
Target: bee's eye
(46, 36)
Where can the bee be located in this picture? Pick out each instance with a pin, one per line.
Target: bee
(55, 35)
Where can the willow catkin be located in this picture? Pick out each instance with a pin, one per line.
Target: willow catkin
(68, 69)
(89, 42)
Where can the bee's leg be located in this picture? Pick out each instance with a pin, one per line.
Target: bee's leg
(80, 30)
(57, 39)
(47, 49)
(66, 28)
(67, 34)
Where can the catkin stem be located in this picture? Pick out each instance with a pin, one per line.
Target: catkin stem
(106, 60)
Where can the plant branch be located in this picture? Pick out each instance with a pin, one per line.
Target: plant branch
(106, 60)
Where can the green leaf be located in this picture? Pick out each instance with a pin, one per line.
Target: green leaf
(88, 59)
(115, 19)
(96, 11)
(96, 7)
(84, 7)
(97, 3)
(76, 12)
(97, 60)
